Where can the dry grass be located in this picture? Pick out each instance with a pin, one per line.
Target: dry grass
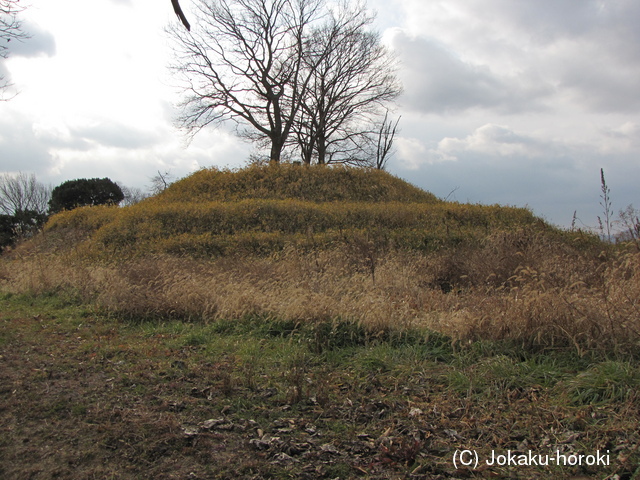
(525, 287)
(84, 395)
(282, 182)
(264, 226)
(261, 210)
(322, 244)
(307, 329)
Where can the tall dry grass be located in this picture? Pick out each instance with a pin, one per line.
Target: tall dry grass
(521, 286)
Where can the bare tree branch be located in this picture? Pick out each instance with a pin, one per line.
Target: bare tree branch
(353, 81)
(295, 74)
(160, 182)
(10, 30)
(21, 193)
(244, 65)
(180, 14)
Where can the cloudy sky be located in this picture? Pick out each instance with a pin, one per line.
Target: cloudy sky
(516, 102)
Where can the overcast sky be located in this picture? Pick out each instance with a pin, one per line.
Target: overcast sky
(516, 102)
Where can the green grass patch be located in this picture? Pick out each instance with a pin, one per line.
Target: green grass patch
(154, 396)
(607, 382)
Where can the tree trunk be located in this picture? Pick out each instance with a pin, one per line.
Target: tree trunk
(321, 148)
(276, 150)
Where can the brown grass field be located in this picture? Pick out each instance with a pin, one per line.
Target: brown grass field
(315, 323)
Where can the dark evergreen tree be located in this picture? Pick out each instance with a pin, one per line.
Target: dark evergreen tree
(7, 234)
(84, 192)
(22, 224)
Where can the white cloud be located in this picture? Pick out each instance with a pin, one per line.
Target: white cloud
(437, 80)
(20, 146)
(620, 139)
(517, 56)
(41, 42)
(517, 102)
(411, 152)
(495, 140)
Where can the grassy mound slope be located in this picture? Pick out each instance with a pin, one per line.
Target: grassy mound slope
(148, 365)
(469, 271)
(264, 209)
(284, 182)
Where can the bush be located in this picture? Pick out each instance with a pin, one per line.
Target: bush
(84, 192)
(22, 224)
(6, 231)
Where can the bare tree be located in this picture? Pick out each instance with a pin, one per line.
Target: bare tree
(10, 30)
(22, 193)
(630, 221)
(373, 147)
(383, 141)
(24, 204)
(353, 80)
(160, 182)
(132, 195)
(244, 64)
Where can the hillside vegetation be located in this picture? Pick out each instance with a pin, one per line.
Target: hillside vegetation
(265, 209)
(290, 322)
(286, 182)
(325, 244)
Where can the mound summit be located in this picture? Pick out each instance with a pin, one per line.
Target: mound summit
(295, 182)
